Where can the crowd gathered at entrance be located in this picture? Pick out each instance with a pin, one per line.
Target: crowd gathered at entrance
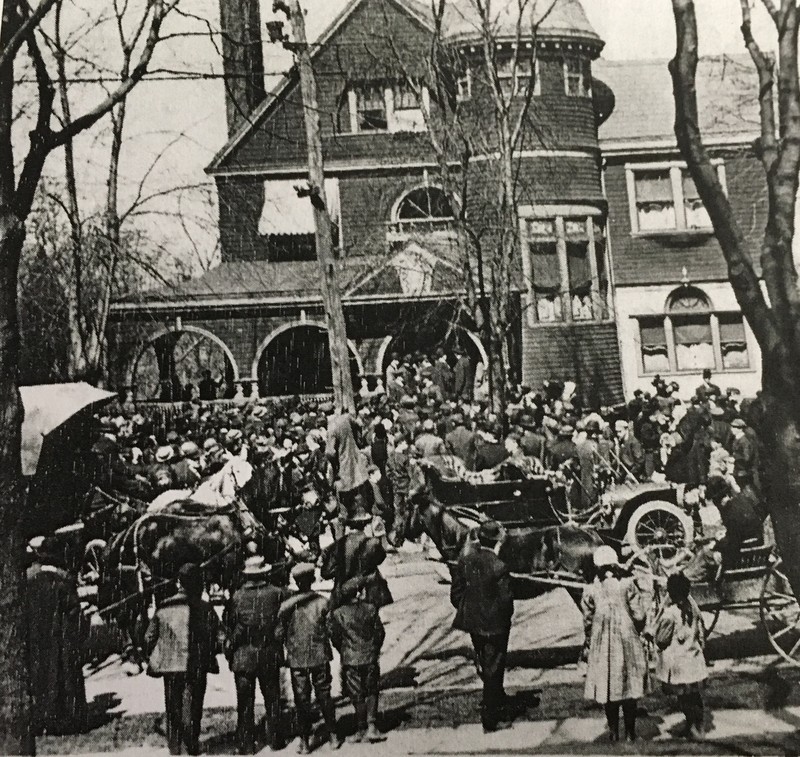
(371, 462)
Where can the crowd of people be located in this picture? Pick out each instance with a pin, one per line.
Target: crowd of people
(371, 463)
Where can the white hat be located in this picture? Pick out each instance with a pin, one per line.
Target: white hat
(605, 556)
(164, 454)
(255, 565)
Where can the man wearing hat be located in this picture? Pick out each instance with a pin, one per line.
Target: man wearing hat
(355, 554)
(739, 516)
(181, 644)
(561, 449)
(489, 450)
(348, 462)
(303, 628)
(463, 376)
(160, 473)
(429, 443)
(54, 625)
(744, 449)
(708, 390)
(463, 441)
(481, 593)
(186, 471)
(442, 374)
(254, 651)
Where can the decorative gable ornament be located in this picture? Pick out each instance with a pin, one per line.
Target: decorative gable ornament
(414, 267)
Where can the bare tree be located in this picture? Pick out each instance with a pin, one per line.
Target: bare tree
(21, 34)
(774, 314)
(477, 141)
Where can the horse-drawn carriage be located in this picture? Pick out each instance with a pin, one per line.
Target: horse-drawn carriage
(547, 547)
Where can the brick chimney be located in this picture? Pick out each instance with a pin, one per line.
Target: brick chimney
(242, 59)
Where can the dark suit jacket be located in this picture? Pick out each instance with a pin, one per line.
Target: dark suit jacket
(252, 619)
(463, 378)
(481, 594)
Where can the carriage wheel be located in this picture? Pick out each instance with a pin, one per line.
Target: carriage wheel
(780, 614)
(659, 526)
(92, 563)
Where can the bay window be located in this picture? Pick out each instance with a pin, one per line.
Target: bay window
(564, 265)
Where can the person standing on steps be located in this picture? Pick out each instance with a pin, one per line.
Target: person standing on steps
(613, 610)
(481, 593)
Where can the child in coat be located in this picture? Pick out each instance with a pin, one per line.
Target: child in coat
(302, 626)
(680, 638)
(357, 633)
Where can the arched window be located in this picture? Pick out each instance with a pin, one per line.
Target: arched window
(690, 313)
(425, 204)
(691, 336)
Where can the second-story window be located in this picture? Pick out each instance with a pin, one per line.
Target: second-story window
(370, 108)
(664, 199)
(424, 209)
(393, 106)
(565, 268)
(577, 77)
(515, 76)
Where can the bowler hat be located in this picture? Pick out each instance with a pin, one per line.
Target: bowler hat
(303, 570)
(359, 518)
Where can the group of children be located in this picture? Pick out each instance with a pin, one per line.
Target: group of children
(266, 626)
(621, 623)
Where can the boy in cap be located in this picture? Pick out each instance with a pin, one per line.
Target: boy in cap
(302, 627)
(357, 633)
(253, 651)
(181, 643)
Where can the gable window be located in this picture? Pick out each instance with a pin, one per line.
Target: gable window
(577, 77)
(663, 198)
(393, 106)
(426, 209)
(565, 266)
(464, 85)
(370, 110)
(516, 79)
(690, 337)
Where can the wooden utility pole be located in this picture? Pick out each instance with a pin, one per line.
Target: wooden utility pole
(329, 280)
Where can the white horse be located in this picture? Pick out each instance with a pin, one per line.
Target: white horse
(218, 490)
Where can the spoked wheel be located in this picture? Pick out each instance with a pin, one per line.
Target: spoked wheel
(92, 563)
(780, 614)
(661, 527)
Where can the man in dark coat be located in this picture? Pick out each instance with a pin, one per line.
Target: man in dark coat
(481, 594)
(442, 374)
(463, 442)
(561, 449)
(463, 376)
(356, 554)
(303, 627)
(181, 644)
(54, 615)
(739, 516)
(708, 390)
(254, 650)
(348, 462)
(489, 450)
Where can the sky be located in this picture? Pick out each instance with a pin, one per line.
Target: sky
(181, 124)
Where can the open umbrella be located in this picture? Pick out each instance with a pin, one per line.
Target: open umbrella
(47, 408)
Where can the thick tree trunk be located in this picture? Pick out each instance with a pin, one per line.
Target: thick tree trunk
(15, 724)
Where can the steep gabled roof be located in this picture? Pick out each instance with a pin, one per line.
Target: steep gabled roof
(644, 113)
(414, 8)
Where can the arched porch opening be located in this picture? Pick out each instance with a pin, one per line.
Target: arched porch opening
(426, 338)
(172, 365)
(296, 359)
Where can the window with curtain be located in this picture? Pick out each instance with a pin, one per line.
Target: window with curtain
(653, 341)
(565, 256)
(733, 342)
(546, 271)
(655, 206)
(690, 336)
(664, 198)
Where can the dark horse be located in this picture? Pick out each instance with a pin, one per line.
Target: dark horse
(559, 554)
(141, 563)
